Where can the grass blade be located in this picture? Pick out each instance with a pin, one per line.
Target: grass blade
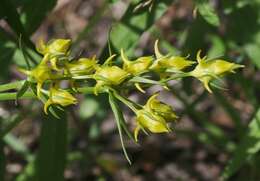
(51, 157)
(119, 118)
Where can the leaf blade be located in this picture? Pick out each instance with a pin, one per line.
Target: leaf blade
(51, 157)
(118, 115)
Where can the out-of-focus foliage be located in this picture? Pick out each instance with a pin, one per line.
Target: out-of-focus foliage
(223, 126)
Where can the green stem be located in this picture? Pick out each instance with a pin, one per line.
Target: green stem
(12, 85)
(31, 95)
(125, 101)
(174, 77)
(12, 96)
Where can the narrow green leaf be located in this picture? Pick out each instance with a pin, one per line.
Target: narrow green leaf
(120, 115)
(23, 89)
(51, 156)
(249, 146)
(119, 118)
(23, 52)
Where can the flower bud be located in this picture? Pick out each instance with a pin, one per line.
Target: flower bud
(164, 62)
(40, 74)
(138, 66)
(159, 108)
(83, 66)
(150, 121)
(59, 97)
(154, 116)
(208, 70)
(113, 75)
(55, 47)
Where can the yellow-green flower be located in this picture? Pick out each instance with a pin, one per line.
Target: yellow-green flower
(60, 97)
(40, 74)
(54, 51)
(54, 47)
(113, 75)
(81, 67)
(208, 70)
(150, 121)
(110, 75)
(157, 107)
(107, 74)
(164, 62)
(138, 66)
(154, 116)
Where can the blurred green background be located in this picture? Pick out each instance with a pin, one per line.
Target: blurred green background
(218, 135)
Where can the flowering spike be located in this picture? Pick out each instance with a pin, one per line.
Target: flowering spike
(155, 115)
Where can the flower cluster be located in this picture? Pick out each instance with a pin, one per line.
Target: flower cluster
(154, 116)
(57, 65)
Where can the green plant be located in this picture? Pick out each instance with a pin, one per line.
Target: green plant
(55, 76)
(57, 66)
